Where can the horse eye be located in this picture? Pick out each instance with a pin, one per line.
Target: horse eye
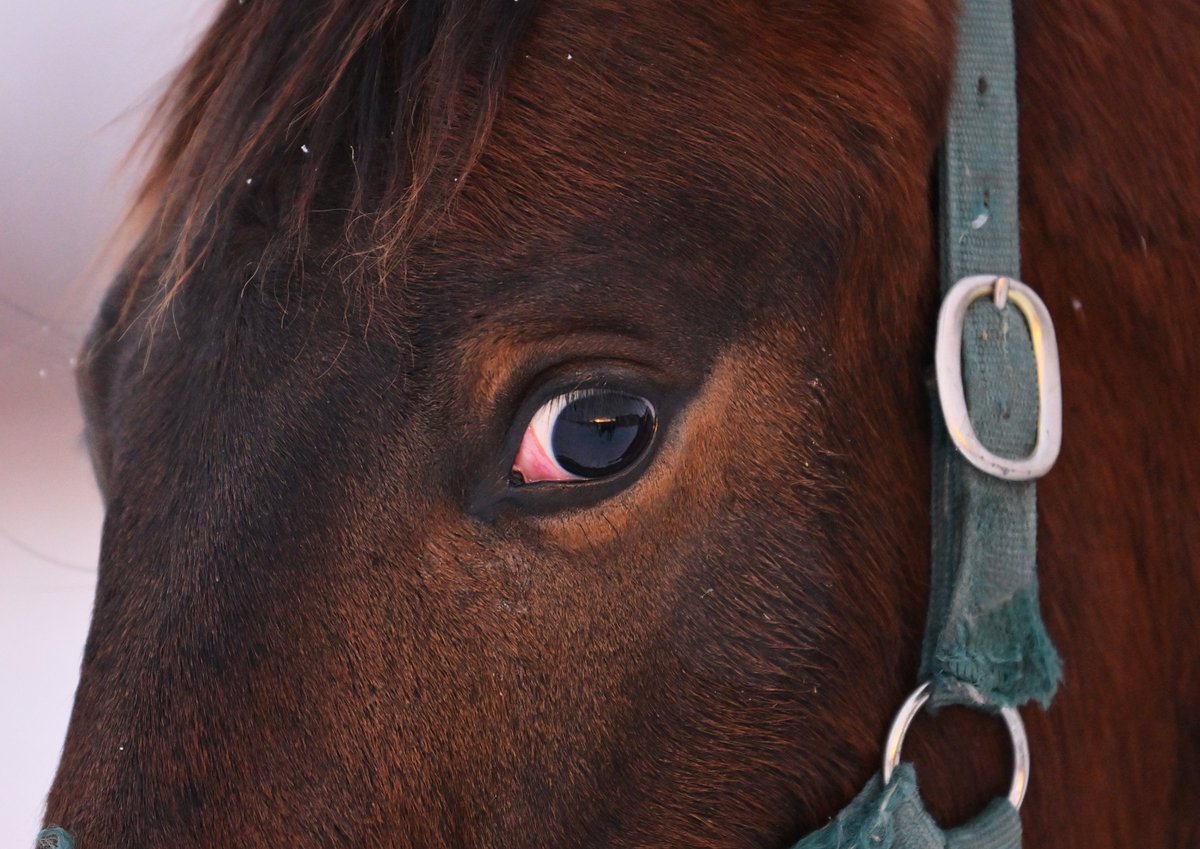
(584, 435)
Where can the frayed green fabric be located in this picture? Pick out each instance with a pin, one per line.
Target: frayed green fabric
(893, 817)
(54, 838)
(1005, 653)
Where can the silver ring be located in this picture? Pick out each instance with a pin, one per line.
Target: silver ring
(1012, 718)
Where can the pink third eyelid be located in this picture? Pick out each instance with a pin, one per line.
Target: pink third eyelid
(533, 463)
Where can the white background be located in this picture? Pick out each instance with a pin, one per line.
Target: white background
(76, 77)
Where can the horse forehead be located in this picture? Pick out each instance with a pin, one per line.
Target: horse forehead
(724, 78)
(650, 135)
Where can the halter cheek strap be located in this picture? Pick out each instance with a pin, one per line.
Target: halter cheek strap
(997, 426)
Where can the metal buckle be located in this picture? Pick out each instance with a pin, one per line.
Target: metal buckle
(1016, 730)
(948, 362)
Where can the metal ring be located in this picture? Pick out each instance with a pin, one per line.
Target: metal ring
(1012, 718)
(948, 362)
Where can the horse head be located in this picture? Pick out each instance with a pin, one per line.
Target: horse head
(512, 429)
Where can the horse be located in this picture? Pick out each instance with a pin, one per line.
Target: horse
(354, 591)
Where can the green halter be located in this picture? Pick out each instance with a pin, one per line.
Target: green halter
(985, 644)
(997, 386)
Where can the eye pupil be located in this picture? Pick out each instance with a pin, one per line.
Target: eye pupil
(601, 433)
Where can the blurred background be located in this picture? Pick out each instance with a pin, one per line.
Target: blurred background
(76, 81)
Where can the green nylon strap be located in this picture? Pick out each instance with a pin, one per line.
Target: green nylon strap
(893, 817)
(54, 838)
(985, 627)
(984, 635)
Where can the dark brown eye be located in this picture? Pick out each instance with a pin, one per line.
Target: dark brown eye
(584, 435)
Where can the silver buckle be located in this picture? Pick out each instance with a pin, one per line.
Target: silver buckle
(1016, 730)
(948, 362)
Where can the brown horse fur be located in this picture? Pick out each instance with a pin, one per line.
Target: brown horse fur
(325, 619)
